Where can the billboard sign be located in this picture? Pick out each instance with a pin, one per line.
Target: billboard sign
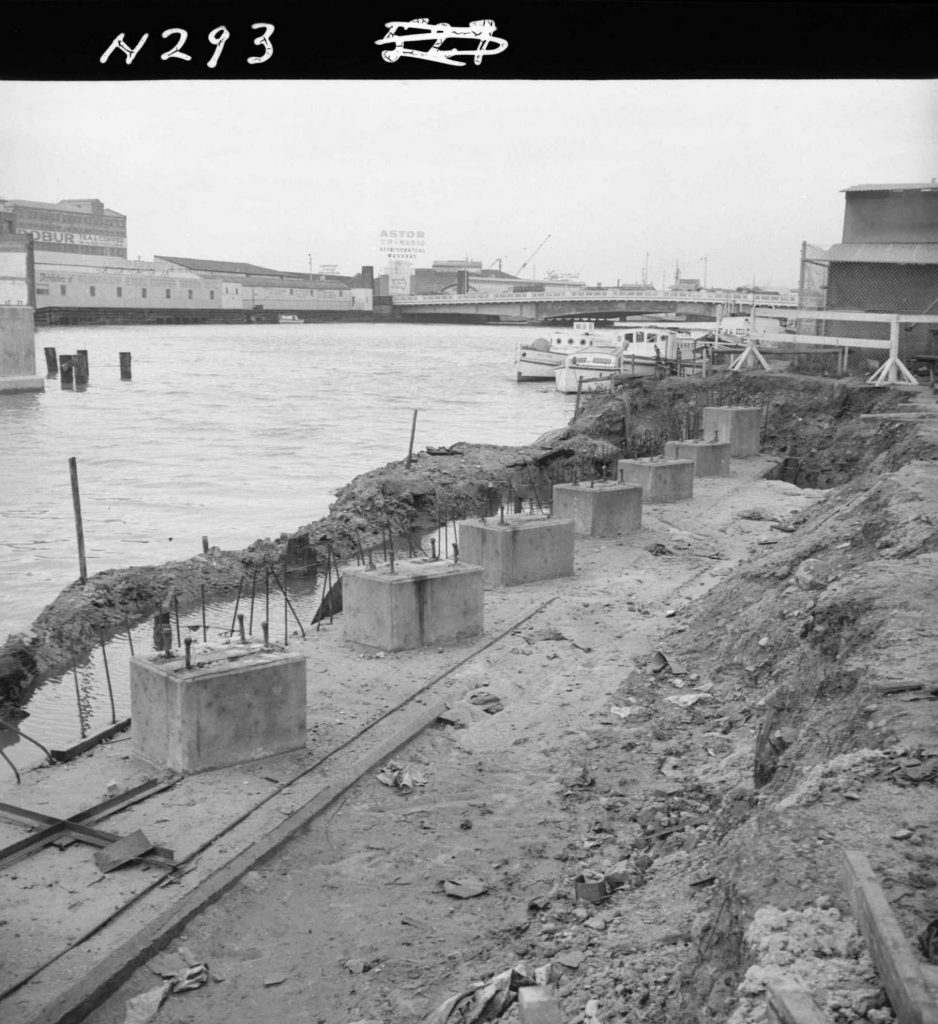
(78, 238)
(399, 274)
(402, 244)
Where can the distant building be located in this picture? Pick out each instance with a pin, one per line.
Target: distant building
(887, 261)
(83, 226)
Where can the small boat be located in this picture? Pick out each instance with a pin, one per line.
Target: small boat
(588, 371)
(289, 318)
(538, 359)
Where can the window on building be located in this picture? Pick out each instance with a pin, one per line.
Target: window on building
(91, 289)
(61, 289)
(190, 293)
(120, 291)
(168, 293)
(143, 293)
(211, 294)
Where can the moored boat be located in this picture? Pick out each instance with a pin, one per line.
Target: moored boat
(587, 371)
(538, 359)
(289, 318)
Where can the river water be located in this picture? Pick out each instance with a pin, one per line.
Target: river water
(234, 432)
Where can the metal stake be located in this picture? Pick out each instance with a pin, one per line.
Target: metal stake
(81, 721)
(107, 676)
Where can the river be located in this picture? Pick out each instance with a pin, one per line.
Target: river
(234, 432)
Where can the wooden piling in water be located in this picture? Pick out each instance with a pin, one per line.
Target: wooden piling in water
(410, 450)
(125, 366)
(81, 366)
(76, 502)
(67, 371)
(52, 364)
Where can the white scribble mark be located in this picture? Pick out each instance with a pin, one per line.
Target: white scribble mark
(481, 33)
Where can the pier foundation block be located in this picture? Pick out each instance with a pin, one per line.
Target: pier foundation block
(236, 704)
(520, 550)
(710, 458)
(18, 351)
(659, 479)
(424, 601)
(741, 425)
(603, 510)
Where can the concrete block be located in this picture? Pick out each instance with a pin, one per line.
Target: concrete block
(710, 458)
(18, 350)
(520, 550)
(424, 601)
(659, 479)
(603, 510)
(237, 703)
(741, 425)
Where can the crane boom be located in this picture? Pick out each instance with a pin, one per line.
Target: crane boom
(531, 257)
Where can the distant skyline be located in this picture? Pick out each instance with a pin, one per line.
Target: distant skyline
(725, 178)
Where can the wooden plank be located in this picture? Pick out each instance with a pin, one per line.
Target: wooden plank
(898, 966)
(818, 339)
(860, 316)
(69, 753)
(537, 1004)
(129, 848)
(792, 1003)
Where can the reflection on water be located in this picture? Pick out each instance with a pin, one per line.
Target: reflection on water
(234, 432)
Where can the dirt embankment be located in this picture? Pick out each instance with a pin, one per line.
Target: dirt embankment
(815, 418)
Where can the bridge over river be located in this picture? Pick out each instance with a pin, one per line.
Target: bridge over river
(585, 304)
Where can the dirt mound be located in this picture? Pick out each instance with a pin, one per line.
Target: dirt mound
(825, 644)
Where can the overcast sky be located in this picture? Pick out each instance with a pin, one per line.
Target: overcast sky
(272, 171)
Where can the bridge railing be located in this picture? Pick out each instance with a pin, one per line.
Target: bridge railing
(736, 298)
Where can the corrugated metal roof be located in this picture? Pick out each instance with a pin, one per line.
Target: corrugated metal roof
(884, 252)
(219, 266)
(922, 186)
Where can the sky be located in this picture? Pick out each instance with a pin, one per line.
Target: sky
(723, 179)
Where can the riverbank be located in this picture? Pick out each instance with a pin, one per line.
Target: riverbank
(812, 424)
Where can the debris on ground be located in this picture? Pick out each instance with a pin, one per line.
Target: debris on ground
(400, 777)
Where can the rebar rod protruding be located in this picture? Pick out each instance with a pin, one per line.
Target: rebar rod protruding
(189, 651)
(241, 627)
(234, 618)
(107, 676)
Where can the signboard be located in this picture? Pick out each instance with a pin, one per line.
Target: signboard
(328, 268)
(76, 238)
(402, 244)
(399, 274)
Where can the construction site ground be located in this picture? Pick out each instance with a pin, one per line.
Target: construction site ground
(707, 711)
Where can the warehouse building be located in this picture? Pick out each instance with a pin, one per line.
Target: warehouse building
(887, 262)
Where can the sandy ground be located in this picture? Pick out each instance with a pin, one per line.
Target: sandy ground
(350, 920)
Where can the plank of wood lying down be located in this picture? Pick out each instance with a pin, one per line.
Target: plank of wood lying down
(791, 1003)
(899, 967)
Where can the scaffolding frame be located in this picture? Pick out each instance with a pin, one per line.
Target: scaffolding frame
(892, 371)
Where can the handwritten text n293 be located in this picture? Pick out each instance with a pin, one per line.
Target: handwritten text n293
(217, 37)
